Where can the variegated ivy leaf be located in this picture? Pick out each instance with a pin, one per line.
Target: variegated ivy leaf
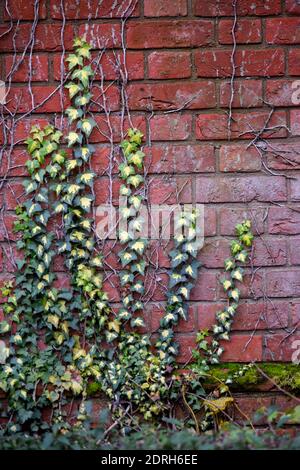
(173, 298)
(236, 247)
(229, 264)
(135, 136)
(136, 225)
(136, 159)
(137, 305)
(87, 178)
(124, 314)
(223, 316)
(40, 269)
(32, 208)
(74, 113)
(86, 125)
(84, 50)
(127, 300)
(126, 170)
(4, 352)
(224, 336)
(32, 145)
(127, 257)
(138, 267)
(125, 191)
(232, 309)
(177, 258)
(42, 196)
(73, 138)
(29, 186)
(191, 233)
(136, 201)
(111, 336)
(56, 136)
(84, 152)
(73, 189)
(138, 287)
(40, 251)
(59, 207)
(191, 248)
(85, 202)
(135, 180)
(53, 170)
(169, 317)
(128, 147)
(247, 239)
(234, 294)
(47, 258)
(74, 60)
(242, 256)
(185, 290)
(227, 284)
(43, 217)
(126, 278)
(182, 222)
(191, 269)
(73, 88)
(167, 333)
(89, 245)
(175, 279)
(137, 322)
(86, 224)
(237, 274)
(36, 230)
(126, 212)
(77, 236)
(124, 236)
(179, 239)
(83, 100)
(138, 246)
(97, 261)
(48, 147)
(63, 247)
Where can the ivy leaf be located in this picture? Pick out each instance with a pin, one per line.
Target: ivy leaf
(138, 287)
(175, 279)
(43, 218)
(97, 261)
(135, 180)
(83, 100)
(126, 278)
(4, 327)
(42, 196)
(138, 305)
(127, 257)
(32, 145)
(138, 246)
(124, 314)
(247, 239)
(136, 201)
(86, 125)
(125, 191)
(242, 256)
(73, 88)
(137, 159)
(236, 247)
(85, 202)
(229, 264)
(185, 290)
(84, 50)
(73, 113)
(191, 269)
(111, 336)
(59, 207)
(177, 258)
(126, 170)
(73, 138)
(138, 267)
(87, 178)
(30, 186)
(234, 294)
(84, 152)
(237, 274)
(227, 284)
(137, 322)
(74, 60)
(191, 249)
(71, 165)
(135, 136)
(169, 317)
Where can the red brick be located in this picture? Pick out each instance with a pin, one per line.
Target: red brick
(284, 221)
(165, 8)
(13, 194)
(181, 33)
(47, 37)
(244, 7)
(101, 160)
(295, 189)
(247, 31)
(248, 63)
(246, 94)
(229, 218)
(46, 99)
(186, 346)
(215, 126)
(295, 308)
(283, 92)
(294, 250)
(101, 133)
(39, 66)
(294, 61)
(210, 221)
(206, 287)
(171, 96)
(6, 227)
(292, 6)
(239, 157)
(13, 162)
(206, 314)
(283, 283)
(283, 31)
(104, 35)
(261, 316)
(283, 156)
(112, 98)
(243, 348)
(282, 347)
(110, 63)
(295, 121)
(180, 159)
(237, 189)
(166, 64)
(23, 127)
(165, 190)
(93, 9)
(171, 127)
(20, 10)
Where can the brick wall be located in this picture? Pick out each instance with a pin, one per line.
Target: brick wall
(181, 92)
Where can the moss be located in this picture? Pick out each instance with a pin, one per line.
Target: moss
(285, 375)
(93, 388)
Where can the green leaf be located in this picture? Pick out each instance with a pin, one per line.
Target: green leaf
(136, 159)
(138, 246)
(87, 178)
(86, 125)
(73, 113)
(74, 60)
(137, 322)
(135, 180)
(127, 257)
(83, 100)
(85, 202)
(32, 145)
(191, 269)
(138, 267)
(29, 186)
(4, 327)
(177, 258)
(126, 170)
(138, 287)
(73, 88)
(126, 278)
(73, 138)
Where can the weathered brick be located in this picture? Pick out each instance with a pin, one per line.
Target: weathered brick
(206, 314)
(246, 94)
(171, 127)
(13, 163)
(246, 31)
(281, 347)
(229, 218)
(295, 121)
(284, 220)
(224, 7)
(20, 10)
(104, 35)
(180, 159)
(283, 92)
(215, 126)
(187, 343)
(292, 6)
(112, 98)
(168, 64)
(294, 244)
(239, 157)
(6, 227)
(166, 8)
(165, 190)
(248, 63)
(283, 31)
(172, 96)
(23, 127)
(93, 9)
(19, 70)
(181, 33)
(205, 287)
(294, 61)
(240, 189)
(295, 309)
(261, 315)
(101, 133)
(243, 348)
(283, 283)
(47, 37)
(46, 99)
(284, 156)
(295, 188)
